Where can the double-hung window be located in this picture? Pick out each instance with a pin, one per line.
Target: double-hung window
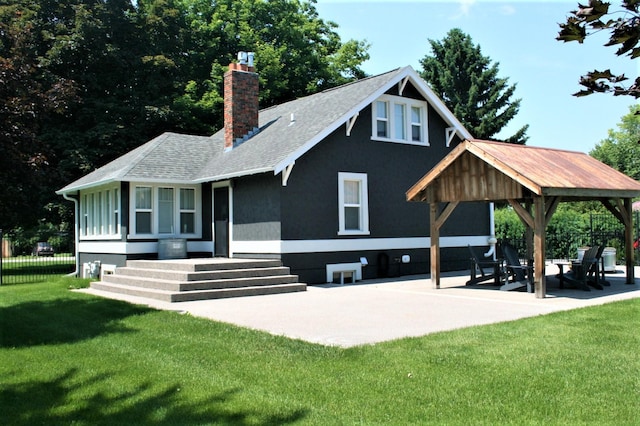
(144, 209)
(165, 210)
(398, 119)
(353, 202)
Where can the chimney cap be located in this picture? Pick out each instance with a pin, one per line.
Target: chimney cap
(245, 58)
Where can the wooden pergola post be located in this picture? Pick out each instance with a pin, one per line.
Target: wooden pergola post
(436, 220)
(539, 233)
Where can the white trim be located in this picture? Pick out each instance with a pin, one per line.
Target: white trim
(351, 122)
(286, 173)
(121, 247)
(352, 244)
(363, 206)
(407, 104)
(420, 85)
(155, 210)
(355, 268)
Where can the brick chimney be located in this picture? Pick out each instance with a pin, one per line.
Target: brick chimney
(240, 101)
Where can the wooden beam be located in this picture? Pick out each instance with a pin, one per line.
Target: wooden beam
(539, 231)
(551, 209)
(446, 212)
(522, 213)
(437, 219)
(435, 246)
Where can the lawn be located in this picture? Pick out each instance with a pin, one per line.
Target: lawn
(71, 358)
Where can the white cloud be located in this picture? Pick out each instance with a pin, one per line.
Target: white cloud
(464, 8)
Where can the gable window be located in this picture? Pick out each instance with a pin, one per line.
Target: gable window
(399, 119)
(99, 212)
(353, 204)
(166, 210)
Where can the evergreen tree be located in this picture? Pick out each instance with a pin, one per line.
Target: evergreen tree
(469, 85)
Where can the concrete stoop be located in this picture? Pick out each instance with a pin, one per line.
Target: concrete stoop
(198, 279)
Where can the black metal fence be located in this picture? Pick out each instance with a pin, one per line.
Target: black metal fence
(35, 267)
(604, 230)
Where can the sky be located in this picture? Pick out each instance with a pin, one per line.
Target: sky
(518, 35)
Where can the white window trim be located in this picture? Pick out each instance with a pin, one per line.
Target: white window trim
(364, 203)
(155, 209)
(97, 216)
(408, 104)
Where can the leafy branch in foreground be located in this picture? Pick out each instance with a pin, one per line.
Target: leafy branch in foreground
(625, 34)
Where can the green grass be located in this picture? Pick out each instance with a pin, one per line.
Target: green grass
(67, 357)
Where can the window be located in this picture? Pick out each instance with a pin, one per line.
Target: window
(353, 214)
(100, 212)
(187, 210)
(165, 210)
(143, 210)
(404, 124)
(382, 119)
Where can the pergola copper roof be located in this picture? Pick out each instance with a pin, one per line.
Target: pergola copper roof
(481, 170)
(478, 170)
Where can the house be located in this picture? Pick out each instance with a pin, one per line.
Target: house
(318, 182)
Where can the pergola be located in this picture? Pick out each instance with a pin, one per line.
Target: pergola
(533, 181)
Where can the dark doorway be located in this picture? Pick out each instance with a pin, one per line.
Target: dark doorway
(221, 222)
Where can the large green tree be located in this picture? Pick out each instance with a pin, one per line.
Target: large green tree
(468, 83)
(30, 97)
(624, 27)
(621, 148)
(140, 68)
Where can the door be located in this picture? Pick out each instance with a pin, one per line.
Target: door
(221, 222)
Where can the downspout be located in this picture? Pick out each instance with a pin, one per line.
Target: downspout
(76, 232)
(492, 239)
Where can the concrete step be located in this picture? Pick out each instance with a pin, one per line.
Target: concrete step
(176, 285)
(185, 296)
(199, 265)
(166, 274)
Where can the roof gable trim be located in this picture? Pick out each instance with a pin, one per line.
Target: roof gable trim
(405, 75)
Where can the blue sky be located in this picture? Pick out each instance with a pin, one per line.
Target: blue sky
(520, 37)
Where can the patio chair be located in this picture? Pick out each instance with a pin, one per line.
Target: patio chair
(517, 274)
(488, 268)
(586, 272)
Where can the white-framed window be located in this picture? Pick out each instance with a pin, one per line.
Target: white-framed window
(398, 119)
(100, 212)
(353, 204)
(165, 210)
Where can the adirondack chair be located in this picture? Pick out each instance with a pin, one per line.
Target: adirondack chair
(586, 272)
(517, 274)
(488, 268)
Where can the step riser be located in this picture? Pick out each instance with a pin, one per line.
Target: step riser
(199, 285)
(199, 295)
(202, 276)
(172, 265)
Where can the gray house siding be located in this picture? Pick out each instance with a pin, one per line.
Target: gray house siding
(256, 208)
(310, 202)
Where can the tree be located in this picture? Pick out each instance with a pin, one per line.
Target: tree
(625, 34)
(84, 81)
(469, 85)
(29, 97)
(621, 149)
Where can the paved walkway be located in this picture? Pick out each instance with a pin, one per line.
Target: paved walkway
(380, 310)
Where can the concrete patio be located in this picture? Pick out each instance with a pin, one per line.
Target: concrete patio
(373, 311)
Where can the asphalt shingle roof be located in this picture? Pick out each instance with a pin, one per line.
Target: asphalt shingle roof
(182, 158)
